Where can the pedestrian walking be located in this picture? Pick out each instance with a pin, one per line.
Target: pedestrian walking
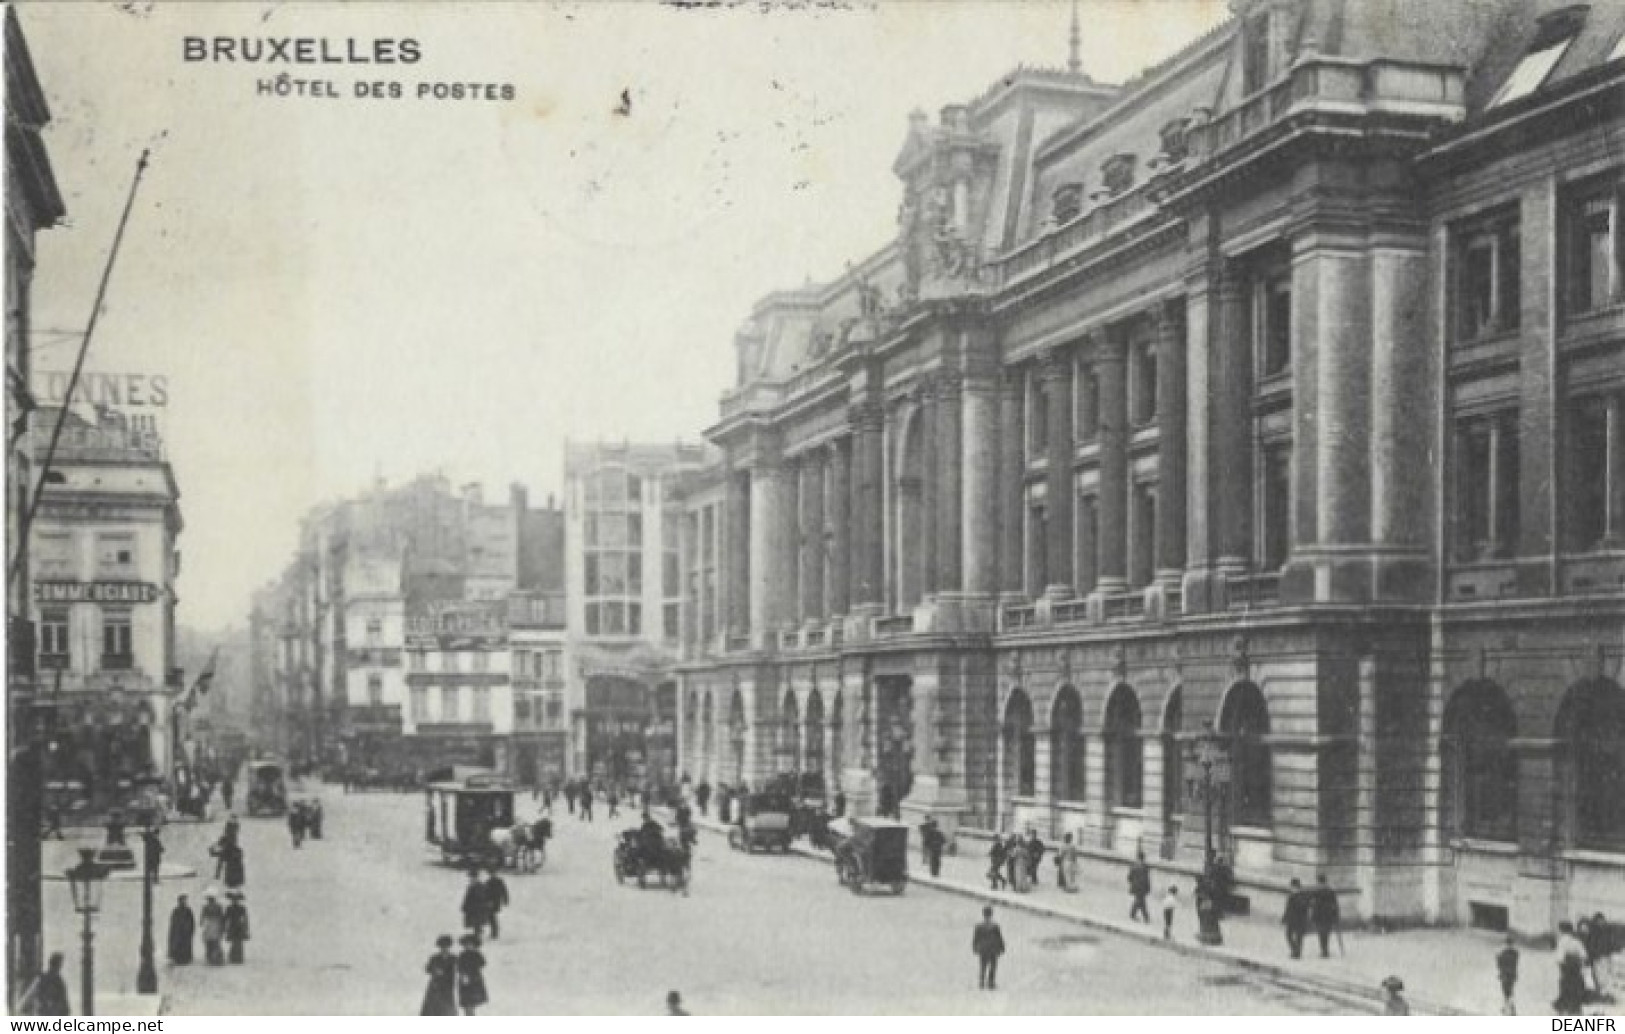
(1015, 865)
(1571, 981)
(48, 994)
(612, 797)
(1035, 855)
(182, 928)
(1295, 917)
(236, 926)
(702, 796)
(1170, 908)
(1393, 1002)
(1598, 940)
(586, 802)
(296, 823)
(476, 909)
(932, 842)
(313, 818)
(674, 1001)
(1325, 914)
(995, 864)
(471, 975)
(212, 921)
(440, 998)
(570, 796)
(840, 803)
(988, 943)
(228, 790)
(1066, 865)
(1139, 889)
(496, 899)
(231, 865)
(1506, 970)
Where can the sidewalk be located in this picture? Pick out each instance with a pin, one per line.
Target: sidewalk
(1447, 971)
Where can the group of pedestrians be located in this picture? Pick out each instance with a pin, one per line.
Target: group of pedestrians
(1317, 908)
(223, 928)
(1014, 863)
(457, 981)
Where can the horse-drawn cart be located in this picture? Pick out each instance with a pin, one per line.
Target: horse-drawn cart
(875, 852)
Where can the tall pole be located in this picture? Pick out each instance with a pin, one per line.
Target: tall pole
(146, 979)
(73, 379)
(87, 969)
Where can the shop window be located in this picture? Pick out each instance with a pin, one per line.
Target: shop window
(1479, 728)
(1125, 751)
(1487, 486)
(1488, 281)
(1594, 247)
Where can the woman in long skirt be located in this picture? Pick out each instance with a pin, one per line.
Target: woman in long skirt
(440, 999)
(471, 975)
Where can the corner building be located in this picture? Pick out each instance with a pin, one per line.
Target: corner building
(1265, 410)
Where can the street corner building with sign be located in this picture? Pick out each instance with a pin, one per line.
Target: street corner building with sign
(104, 555)
(1227, 466)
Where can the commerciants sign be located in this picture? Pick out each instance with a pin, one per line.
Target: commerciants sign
(96, 592)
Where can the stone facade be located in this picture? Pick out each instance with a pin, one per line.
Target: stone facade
(1160, 436)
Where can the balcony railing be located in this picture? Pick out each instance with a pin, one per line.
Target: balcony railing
(1071, 612)
(1127, 607)
(1255, 590)
(894, 626)
(815, 637)
(1018, 616)
(789, 639)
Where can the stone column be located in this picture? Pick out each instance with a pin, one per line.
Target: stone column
(982, 486)
(946, 560)
(1200, 327)
(736, 555)
(1404, 403)
(1058, 386)
(1540, 468)
(868, 463)
(1112, 541)
(930, 489)
(790, 515)
(1230, 463)
(1171, 444)
(769, 552)
(812, 536)
(1012, 503)
(838, 510)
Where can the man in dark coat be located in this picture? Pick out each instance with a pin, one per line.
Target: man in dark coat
(182, 927)
(1139, 888)
(702, 796)
(932, 842)
(236, 926)
(296, 823)
(496, 898)
(987, 942)
(476, 912)
(1035, 854)
(49, 994)
(440, 998)
(1296, 918)
(1325, 914)
(231, 862)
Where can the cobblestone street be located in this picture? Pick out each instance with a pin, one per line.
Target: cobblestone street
(345, 924)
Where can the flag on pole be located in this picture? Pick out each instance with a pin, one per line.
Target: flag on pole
(205, 678)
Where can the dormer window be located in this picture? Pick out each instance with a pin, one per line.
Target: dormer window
(1117, 173)
(1175, 145)
(1066, 203)
(1557, 31)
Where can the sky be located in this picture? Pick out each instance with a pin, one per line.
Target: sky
(341, 289)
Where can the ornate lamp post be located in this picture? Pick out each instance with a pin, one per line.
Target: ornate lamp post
(1207, 754)
(86, 880)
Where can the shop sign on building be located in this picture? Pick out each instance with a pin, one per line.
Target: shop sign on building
(95, 592)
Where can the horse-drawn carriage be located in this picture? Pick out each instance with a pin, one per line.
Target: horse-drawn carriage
(764, 821)
(646, 850)
(267, 787)
(471, 821)
(876, 851)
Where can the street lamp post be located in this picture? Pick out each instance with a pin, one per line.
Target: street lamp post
(1214, 761)
(85, 881)
(146, 978)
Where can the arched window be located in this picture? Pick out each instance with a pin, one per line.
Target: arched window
(1246, 721)
(1125, 751)
(1173, 757)
(1591, 724)
(837, 741)
(1019, 772)
(1482, 770)
(789, 735)
(708, 730)
(1066, 746)
(812, 751)
(736, 736)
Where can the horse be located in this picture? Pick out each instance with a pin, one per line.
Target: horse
(523, 846)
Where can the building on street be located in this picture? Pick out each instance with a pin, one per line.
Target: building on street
(1231, 456)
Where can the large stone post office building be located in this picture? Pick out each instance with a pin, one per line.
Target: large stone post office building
(1268, 411)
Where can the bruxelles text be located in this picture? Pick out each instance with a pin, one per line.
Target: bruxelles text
(301, 50)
